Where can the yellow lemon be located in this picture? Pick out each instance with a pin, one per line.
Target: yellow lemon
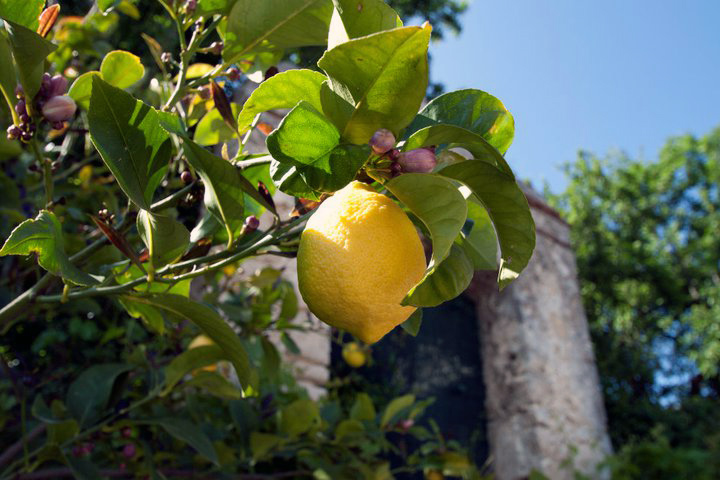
(359, 255)
(354, 355)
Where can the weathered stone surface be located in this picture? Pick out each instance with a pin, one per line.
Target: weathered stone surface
(544, 404)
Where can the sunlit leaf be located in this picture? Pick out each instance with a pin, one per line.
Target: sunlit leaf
(121, 69)
(29, 51)
(357, 18)
(212, 129)
(25, 12)
(166, 238)
(81, 89)
(43, 235)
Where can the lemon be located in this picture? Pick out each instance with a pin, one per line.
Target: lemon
(354, 355)
(359, 255)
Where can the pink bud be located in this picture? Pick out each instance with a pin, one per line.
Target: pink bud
(59, 109)
(129, 450)
(382, 141)
(58, 85)
(419, 160)
(251, 224)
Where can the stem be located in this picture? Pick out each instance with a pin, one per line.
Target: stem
(249, 132)
(11, 105)
(171, 200)
(46, 165)
(253, 162)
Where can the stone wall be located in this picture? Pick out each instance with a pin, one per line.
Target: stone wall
(543, 400)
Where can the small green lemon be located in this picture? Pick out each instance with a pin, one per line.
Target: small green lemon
(354, 355)
(359, 255)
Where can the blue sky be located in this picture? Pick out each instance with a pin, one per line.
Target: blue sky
(582, 74)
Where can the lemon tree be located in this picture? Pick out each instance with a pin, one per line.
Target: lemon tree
(130, 185)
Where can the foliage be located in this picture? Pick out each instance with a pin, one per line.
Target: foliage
(645, 234)
(138, 231)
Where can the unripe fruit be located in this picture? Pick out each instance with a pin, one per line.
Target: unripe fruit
(186, 177)
(419, 160)
(354, 355)
(59, 109)
(382, 141)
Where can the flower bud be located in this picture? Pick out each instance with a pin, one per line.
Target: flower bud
(216, 48)
(251, 224)
(382, 141)
(166, 57)
(19, 93)
(186, 177)
(20, 107)
(419, 160)
(59, 109)
(13, 132)
(129, 450)
(58, 85)
(233, 73)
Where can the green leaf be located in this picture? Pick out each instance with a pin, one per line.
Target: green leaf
(29, 51)
(395, 408)
(190, 360)
(363, 408)
(81, 89)
(151, 316)
(208, 8)
(383, 75)
(454, 136)
(8, 80)
(473, 110)
(166, 238)
(23, 13)
(357, 18)
(480, 243)
(186, 432)
(270, 360)
(349, 428)
(412, 324)
(508, 209)
(290, 180)
(212, 129)
(306, 140)
(448, 280)
(215, 384)
(43, 235)
(209, 322)
(42, 412)
(438, 203)
(262, 443)
(283, 90)
(88, 396)
(206, 227)
(130, 139)
(121, 69)
(299, 417)
(275, 25)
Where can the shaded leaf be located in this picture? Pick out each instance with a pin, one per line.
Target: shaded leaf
(412, 324)
(448, 280)
(438, 203)
(215, 385)
(283, 90)
(88, 396)
(117, 239)
(189, 361)
(130, 139)
(274, 25)
(121, 69)
(29, 51)
(395, 408)
(209, 322)
(262, 443)
(299, 417)
(363, 408)
(8, 81)
(480, 243)
(473, 110)
(187, 432)
(384, 76)
(43, 235)
(508, 209)
(166, 238)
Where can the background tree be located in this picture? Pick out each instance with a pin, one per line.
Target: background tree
(648, 252)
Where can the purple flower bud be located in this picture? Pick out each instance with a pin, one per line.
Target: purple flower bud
(233, 73)
(13, 132)
(129, 450)
(251, 224)
(24, 117)
(59, 109)
(58, 125)
(58, 85)
(190, 6)
(19, 93)
(26, 136)
(419, 160)
(216, 47)
(382, 141)
(186, 177)
(20, 107)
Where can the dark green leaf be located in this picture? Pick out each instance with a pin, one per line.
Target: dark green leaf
(42, 412)
(43, 235)
(262, 443)
(452, 136)
(88, 396)
(412, 324)
(190, 360)
(299, 417)
(383, 75)
(473, 110)
(357, 18)
(508, 209)
(289, 343)
(29, 51)
(283, 90)
(290, 180)
(308, 141)
(130, 139)
(166, 238)
(121, 69)
(8, 80)
(215, 384)
(448, 280)
(210, 323)
(208, 8)
(270, 359)
(186, 432)
(224, 187)
(151, 316)
(25, 12)
(438, 203)
(273, 25)
(83, 468)
(363, 408)
(480, 244)
(207, 227)
(395, 408)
